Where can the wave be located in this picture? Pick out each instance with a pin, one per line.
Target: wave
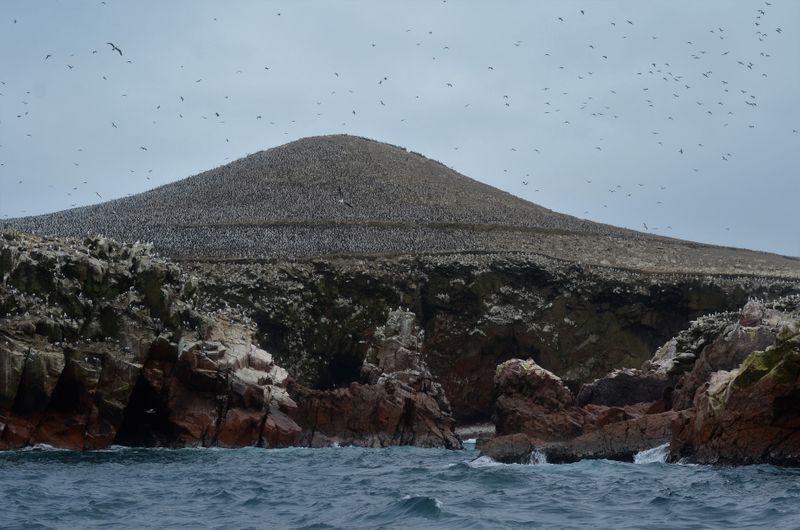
(537, 457)
(656, 455)
(408, 506)
(41, 447)
(483, 461)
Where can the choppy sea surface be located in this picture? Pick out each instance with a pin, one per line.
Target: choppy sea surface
(400, 487)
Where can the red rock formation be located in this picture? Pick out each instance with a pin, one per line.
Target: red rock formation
(102, 343)
(750, 414)
(400, 404)
(535, 410)
(534, 401)
(737, 399)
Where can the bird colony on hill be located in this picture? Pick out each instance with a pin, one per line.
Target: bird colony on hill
(699, 87)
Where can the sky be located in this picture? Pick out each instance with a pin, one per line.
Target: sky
(674, 117)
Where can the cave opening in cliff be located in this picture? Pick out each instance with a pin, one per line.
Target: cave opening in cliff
(145, 420)
(341, 369)
(271, 334)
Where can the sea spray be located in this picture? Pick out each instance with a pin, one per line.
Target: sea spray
(537, 457)
(656, 455)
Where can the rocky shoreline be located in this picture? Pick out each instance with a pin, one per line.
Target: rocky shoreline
(106, 343)
(103, 343)
(724, 391)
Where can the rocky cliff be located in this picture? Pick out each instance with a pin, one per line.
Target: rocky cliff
(724, 391)
(317, 239)
(104, 343)
(475, 310)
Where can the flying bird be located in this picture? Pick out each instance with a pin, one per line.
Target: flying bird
(115, 48)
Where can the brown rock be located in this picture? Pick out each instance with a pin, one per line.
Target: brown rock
(534, 401)
(510, 449)
(623, 387)
(528, 380)
(615, 441)
(749, 415)
(725, 353)
(388, 413)
(752, 313)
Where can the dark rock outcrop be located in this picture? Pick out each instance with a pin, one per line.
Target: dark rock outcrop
(398, 402)
(103, 343)
(476, 311)
(624, 387)
(511, 448)
(736, 398)
(617, 440)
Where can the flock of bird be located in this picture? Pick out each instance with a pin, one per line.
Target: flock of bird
(730, 106)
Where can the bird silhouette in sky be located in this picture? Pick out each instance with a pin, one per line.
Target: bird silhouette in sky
(115, 48)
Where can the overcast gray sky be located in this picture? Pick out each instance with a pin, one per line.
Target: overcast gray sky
(504, 92)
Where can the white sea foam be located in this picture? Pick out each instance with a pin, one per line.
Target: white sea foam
(42, 447)
(436, 502)
(483, 461)
(652, 456)
(537, 457)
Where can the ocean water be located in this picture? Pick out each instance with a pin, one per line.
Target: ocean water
(401, 487)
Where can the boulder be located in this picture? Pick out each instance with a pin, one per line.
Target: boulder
(510, 448)
(534, 401)
(528, 380)
(749, 415)
(619, 440)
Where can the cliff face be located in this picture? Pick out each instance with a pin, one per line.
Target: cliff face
(104, 343)
(475, 310)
